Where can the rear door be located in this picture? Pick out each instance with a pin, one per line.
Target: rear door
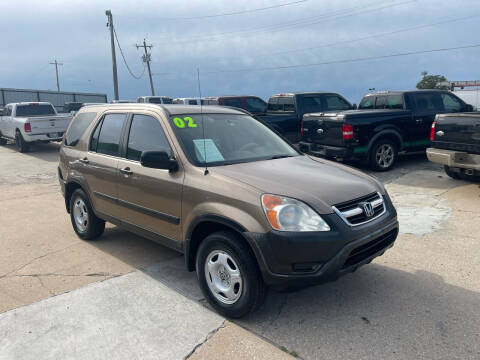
(150, 198)
(426, 106)
(99, 165)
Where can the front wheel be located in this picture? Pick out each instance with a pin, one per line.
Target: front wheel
(22, 145)
(85, 223)
(383, 155)
(228, 275)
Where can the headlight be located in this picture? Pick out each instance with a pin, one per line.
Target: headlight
(286, 214)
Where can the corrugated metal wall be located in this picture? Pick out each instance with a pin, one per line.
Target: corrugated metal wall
(58, 99)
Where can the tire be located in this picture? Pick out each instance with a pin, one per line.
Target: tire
(84, 222)
(22, 145)
(3, 141)
(472, 178)
(452, 174)
(230, 258)
(383, 155)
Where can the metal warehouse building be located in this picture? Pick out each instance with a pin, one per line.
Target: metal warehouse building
(58, 99)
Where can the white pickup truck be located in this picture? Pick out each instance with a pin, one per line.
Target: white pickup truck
(30, 122)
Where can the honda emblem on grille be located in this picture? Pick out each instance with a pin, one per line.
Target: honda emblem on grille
(367, 209)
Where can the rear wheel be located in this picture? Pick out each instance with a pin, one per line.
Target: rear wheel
(85, 223)
(3, 141)
(228, 275)
(452, 174)
(383, 155)
(22, 145)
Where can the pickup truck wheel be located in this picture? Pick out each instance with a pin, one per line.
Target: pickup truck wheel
(22, 145)
(3, 141)
(452, 174)
(85, 223)
(383, 155)
(228, 275)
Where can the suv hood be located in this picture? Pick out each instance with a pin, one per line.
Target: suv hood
(317, 182)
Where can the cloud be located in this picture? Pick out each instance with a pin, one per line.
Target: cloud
(75, 33)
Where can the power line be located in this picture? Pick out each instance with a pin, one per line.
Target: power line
(125, 61)
(339, 14)
(236, 12)
(417, 27)
(346, 60)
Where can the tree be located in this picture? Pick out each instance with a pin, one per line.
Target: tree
(431, 81)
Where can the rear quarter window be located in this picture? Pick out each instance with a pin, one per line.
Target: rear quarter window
(78, 126)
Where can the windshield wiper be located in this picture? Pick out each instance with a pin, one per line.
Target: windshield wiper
(279, 157)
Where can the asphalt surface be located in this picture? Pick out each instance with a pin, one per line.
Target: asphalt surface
(420, 300)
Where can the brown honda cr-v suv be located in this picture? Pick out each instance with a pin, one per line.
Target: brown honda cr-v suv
(243, 205)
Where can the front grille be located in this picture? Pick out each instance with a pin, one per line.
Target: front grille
(364, 251)
(361, 210)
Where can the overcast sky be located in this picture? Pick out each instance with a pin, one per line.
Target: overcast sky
(75, 32)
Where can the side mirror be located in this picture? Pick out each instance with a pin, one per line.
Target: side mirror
(468, 108)
(354, 107)
(158, 160)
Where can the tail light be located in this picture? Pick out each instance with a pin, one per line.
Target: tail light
(432, 131)
(347, 132)
(301, 128)
(27, 127)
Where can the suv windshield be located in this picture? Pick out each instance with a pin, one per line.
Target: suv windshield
(35, 110)
(224, 139)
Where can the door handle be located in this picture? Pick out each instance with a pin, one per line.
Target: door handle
(126, 171)
(418, 121)
(84, 160)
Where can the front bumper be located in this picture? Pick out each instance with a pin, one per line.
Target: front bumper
(325, 150)
(55, 136)
(300, 259)
(455, 159)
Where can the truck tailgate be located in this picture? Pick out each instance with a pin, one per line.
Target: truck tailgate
(49, 124)
(458, 132)
(325, 129)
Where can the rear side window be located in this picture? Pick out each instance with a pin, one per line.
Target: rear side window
(380, 102)
(233, 102)
(394, 102)
(146, 134)
(428, 102)
(255, 105)
(335, 102)
(110, 131)
(312, 104)
(367, 102)
(192, 102)
(78, 127)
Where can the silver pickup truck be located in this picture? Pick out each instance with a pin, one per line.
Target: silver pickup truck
(30, 122)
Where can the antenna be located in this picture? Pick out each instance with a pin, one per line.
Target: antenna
(203, 122)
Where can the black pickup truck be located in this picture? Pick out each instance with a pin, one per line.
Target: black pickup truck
(384, 124)
(456, 145)
(285, 111)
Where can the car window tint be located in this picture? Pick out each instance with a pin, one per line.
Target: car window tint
(94, 139)
(286, 103)
(233, 102)
(78, 127)
(394, 102)
(109, 138)
(367, 102)
(380, 102)
(428, 102)
(335, 102)
(146, 134)
(192, 102)
(255, 105)
(312, 104)
(451, 103)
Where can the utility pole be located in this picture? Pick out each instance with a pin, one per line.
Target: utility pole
(147, 58)
(56, 71)
(114, 58)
